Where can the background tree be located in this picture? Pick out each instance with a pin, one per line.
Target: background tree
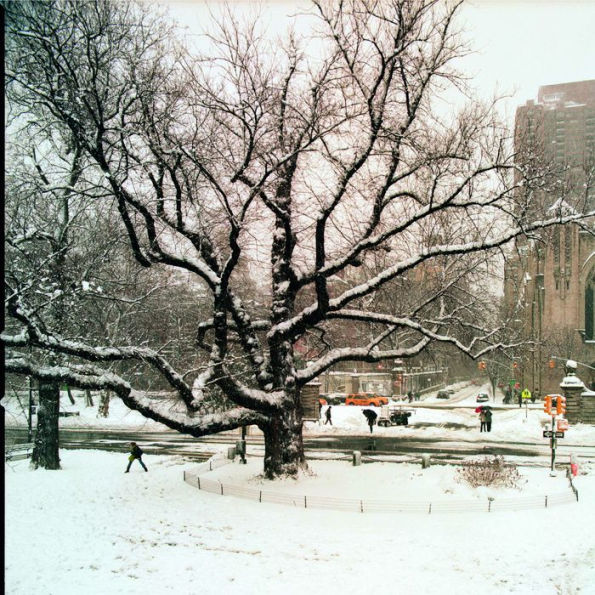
(301, 158)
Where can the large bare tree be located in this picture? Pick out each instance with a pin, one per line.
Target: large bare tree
(295, 160)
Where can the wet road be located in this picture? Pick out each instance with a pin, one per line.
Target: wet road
(173, 443)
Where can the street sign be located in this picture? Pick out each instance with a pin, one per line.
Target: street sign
(550, 434)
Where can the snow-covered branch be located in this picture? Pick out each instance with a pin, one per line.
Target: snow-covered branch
(158, 410)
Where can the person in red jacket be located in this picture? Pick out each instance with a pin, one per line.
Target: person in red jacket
(135, 453)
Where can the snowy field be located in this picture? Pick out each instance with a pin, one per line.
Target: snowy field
(89, 529)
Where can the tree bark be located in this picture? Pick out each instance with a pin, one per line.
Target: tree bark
(89, 398)
(284, 445)
(103, 410)
(71, 398)
(46, 446)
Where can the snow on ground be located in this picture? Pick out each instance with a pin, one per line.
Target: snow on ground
(510, 423)
(120, 417)
(91, 529)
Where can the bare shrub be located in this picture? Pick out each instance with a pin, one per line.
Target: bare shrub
(489, 472)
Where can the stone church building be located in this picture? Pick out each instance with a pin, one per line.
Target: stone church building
(552, 278)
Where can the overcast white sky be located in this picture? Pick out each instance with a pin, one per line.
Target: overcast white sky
(524, 44)
(521, 44)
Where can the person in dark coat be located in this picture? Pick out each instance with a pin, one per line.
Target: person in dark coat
(371, 417)
(327, 415)
(135, 453)
(488, 416)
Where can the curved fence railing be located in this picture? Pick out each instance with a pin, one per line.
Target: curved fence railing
(196, 478)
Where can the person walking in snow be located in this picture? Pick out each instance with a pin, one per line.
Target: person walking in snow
(488, 417)
(482, 421)
(371, 417)
(327, 415)
(135, 453)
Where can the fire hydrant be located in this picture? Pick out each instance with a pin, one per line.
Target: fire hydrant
(573, 466)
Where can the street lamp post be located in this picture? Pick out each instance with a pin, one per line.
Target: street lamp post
(29, 420)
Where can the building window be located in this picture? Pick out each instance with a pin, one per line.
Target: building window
(557, 247)
(568, 250)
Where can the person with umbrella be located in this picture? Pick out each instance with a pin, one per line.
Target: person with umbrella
(488, 418)
(371, 417)
(482, 419)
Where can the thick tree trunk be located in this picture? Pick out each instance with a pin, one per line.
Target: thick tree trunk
(284, 445)
(103, 410)
(45, 450)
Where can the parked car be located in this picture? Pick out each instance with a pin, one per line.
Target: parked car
(336, 398)
(443, 394)
(482, 398)
(366, 400)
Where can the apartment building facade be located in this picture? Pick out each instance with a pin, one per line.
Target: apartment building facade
(552, 278)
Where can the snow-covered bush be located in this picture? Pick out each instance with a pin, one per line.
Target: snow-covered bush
(489, 472)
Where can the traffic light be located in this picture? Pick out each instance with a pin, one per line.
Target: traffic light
(515, 365)
(547, 404)
(560, 405)
(562, 425)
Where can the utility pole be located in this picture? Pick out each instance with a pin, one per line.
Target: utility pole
(243, 448)
(29, 417)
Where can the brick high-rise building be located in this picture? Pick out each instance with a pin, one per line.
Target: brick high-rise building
(554, 280)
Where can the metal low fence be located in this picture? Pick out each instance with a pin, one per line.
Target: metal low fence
(196, 479)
